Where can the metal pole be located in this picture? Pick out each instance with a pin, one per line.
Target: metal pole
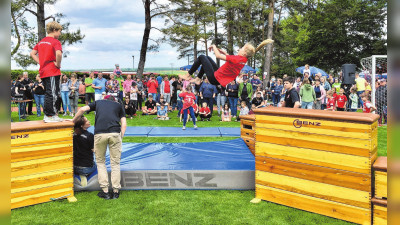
(133, 62)
(373, 79)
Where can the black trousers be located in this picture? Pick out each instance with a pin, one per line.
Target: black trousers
(130, 111)
(139, 102)
(205, 116)
(89, 97)
(52, 95)
(208, 66)
(29, 95)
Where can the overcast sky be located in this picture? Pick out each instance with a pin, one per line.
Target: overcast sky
(113, 32)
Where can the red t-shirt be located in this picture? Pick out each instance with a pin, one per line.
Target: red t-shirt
(367, 107)
(205, 110)
(195, 107)
(47, 48)
(230, 70)
(188, 99)
(335, 96)
(166, 87)
(331, 103)
(152, 85)
(188, 112)
(341, 101)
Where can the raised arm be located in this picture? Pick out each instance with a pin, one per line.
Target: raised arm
(217, 53)
(80, 112)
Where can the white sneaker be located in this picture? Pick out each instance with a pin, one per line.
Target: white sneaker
(45, 118)
(166, 118)
(53, 119)
(71, 114)
(195, 127)
(65, 114)
(183, 128)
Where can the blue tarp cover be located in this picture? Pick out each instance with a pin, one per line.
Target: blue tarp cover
(178, 132)
(229, 131)
(221, 155)
(189, 132)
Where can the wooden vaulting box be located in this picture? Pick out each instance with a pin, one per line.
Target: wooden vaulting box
(380, 197)
(41, 162)
(318, 161)
(247, 131)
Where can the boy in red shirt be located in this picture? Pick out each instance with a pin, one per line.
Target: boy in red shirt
(205, 112)
(367, 106)
(227, 72)
(341, 101)
(331, 101)
(188, 101)
(49, 50)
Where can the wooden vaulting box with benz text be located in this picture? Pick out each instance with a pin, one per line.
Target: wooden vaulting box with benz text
(41, 162)
(317, 161)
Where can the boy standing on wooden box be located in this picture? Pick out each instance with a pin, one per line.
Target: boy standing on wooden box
(49, 59)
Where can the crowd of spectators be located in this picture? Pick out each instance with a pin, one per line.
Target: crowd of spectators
(161, 94)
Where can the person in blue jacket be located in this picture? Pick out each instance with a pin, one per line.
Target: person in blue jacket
(207, 93)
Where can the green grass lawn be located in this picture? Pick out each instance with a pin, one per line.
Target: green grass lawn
(172, 206)
(166, 207)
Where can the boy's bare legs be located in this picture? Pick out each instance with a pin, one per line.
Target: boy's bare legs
(197, 80)
(186, 76)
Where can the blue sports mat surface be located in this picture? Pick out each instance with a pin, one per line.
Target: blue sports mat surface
(189, 132)
(221, 155)
(229, 131)
(178, 132)
(132, 131)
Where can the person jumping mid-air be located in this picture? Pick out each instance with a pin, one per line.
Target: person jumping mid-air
(227, 72)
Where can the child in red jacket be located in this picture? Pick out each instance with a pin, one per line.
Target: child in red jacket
(152, 86)
(330, 101)
(188, 101)
(367, 105)
(205, 112)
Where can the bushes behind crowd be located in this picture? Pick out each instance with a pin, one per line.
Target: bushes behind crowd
(32, 74)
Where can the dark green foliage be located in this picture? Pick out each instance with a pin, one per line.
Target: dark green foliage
(22, 33)
(330, 34)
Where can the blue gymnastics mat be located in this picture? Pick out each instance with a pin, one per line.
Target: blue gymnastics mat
(132, 131)
(189, 132)
(229, 131)
(178, 132)
(200, 165)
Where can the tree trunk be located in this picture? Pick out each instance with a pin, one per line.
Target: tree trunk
(17, 33)
(195, 41)
(229, 18)
(215, 29)
(268, 57)
(279, 16)
(41, 22)
(263, 38)
(145, 40)
(205, 37)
